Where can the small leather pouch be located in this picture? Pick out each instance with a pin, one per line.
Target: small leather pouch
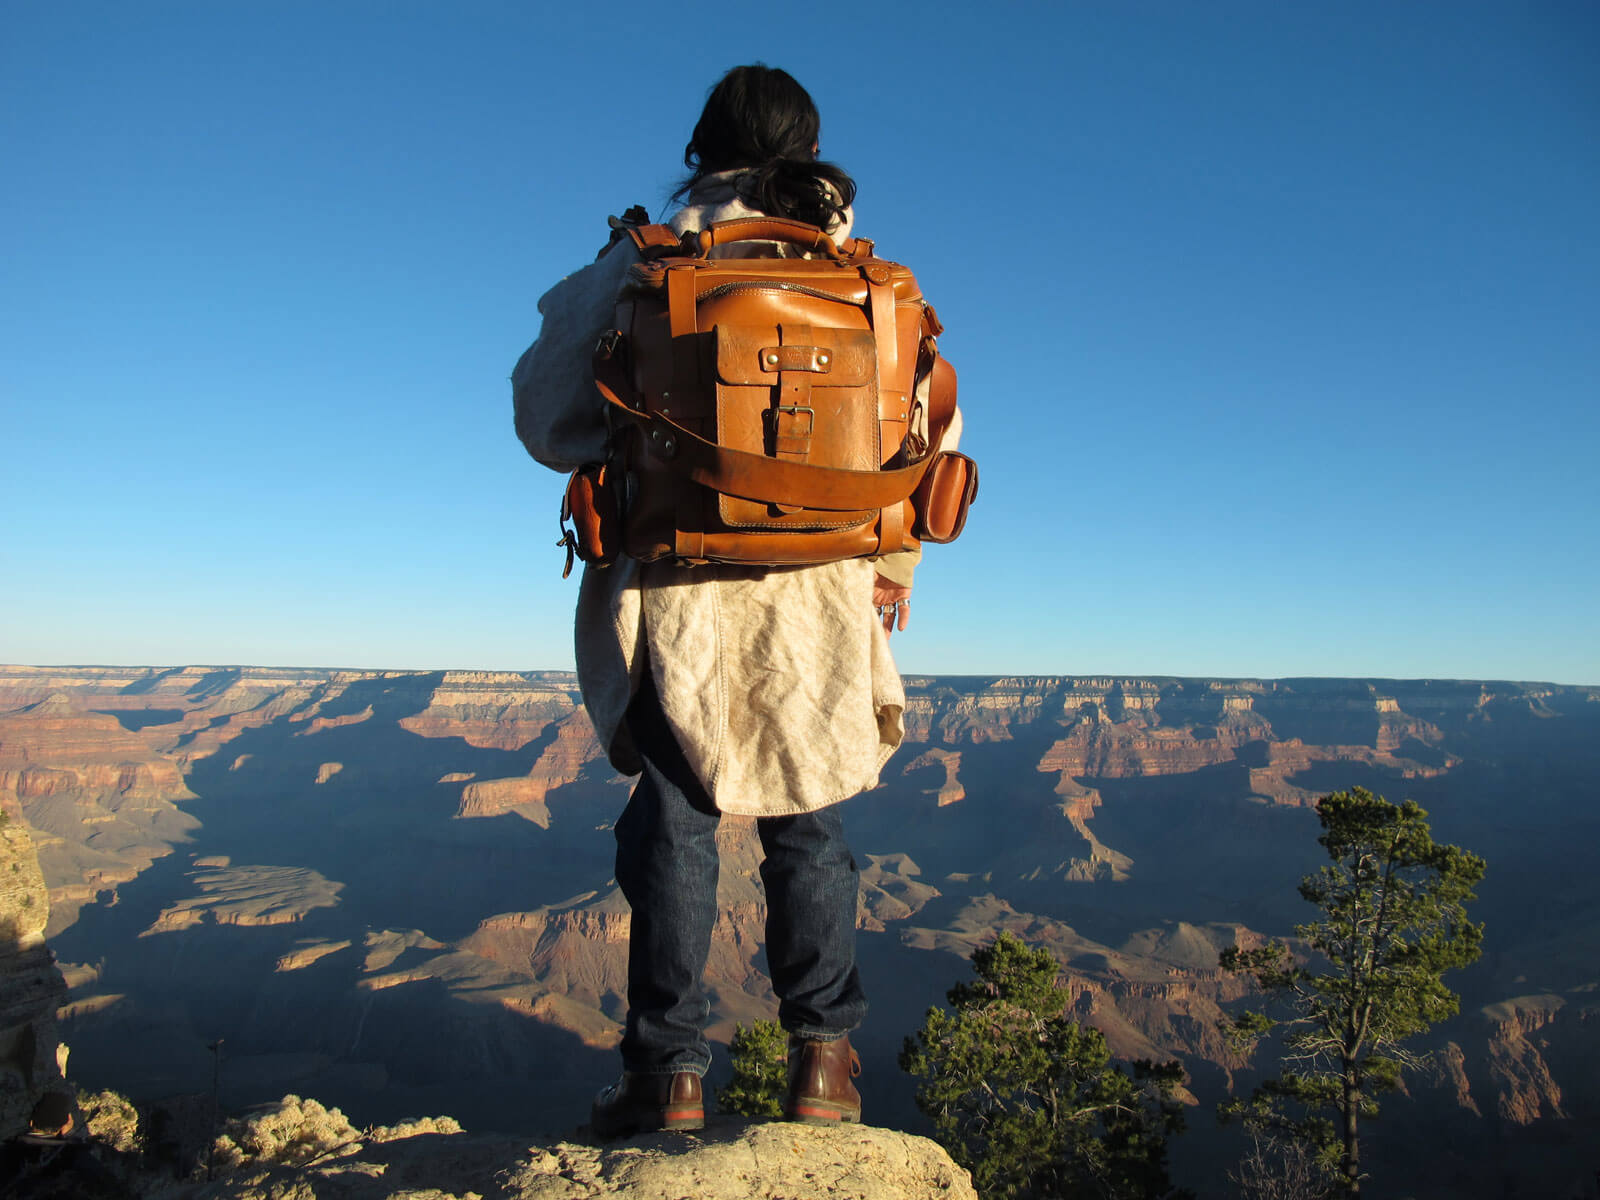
(947, 491)
(592, 505)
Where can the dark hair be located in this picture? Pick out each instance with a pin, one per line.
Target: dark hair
(759, 120)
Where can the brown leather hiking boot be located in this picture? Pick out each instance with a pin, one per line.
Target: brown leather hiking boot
(642, 1103)
(820, 1091)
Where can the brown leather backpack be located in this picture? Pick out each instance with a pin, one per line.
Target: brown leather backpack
(770, 411)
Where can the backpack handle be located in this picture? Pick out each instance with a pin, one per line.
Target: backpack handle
(768, 229)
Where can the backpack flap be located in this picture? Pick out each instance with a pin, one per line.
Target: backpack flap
(797, 393)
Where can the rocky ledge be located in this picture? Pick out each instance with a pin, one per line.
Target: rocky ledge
(731, 1159)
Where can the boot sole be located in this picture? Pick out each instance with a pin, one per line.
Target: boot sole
(679, 1119)
(822, 1114)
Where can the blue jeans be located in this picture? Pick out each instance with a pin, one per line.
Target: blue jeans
(667, 869)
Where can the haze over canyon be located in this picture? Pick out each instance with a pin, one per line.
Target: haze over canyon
(392, 891)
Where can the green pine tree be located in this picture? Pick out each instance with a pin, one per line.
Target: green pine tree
(1027, 1099)
(1391, 921)
(760, 1071)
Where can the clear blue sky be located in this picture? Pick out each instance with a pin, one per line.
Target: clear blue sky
(1278, 324)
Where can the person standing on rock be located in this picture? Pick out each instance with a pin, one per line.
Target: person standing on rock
(767, 692)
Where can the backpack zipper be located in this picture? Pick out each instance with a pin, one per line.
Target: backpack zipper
(745, 285)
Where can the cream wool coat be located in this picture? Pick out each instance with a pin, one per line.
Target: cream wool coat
(777, 682)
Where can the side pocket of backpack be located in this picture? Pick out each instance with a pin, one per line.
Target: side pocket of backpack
(948, 489)
(593, 504)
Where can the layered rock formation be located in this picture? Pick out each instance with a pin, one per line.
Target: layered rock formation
(1532, 1043)
(497, 709)
(101, 803)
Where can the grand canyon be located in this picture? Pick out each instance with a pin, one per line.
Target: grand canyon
(392, 890)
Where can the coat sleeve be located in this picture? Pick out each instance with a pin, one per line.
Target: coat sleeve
(560, 417)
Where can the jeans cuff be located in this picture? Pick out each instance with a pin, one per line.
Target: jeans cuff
(695, 1068)
(812, 1033)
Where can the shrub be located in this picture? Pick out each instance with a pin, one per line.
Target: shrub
(112, 1120)
(760, 1071)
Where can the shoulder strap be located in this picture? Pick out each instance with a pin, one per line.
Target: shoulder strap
(651, 240)
(655, 241)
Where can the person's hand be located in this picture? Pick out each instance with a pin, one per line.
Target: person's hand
(893, 603)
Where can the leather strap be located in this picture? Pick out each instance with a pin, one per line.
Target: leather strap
(891, 528)
(682, 313)
(880, 297)
(768, 229)
(770, 480)
(880, 293)
(689, 544)
(654, 241)
(941, 401)
(793, 417)
(681, 301)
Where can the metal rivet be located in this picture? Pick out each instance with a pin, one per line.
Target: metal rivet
(665, 396)
(772, 358)
(822, 358)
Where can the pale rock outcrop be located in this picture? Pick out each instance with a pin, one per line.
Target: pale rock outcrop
(318, 724)
(558, 764)
(248, 895)
(950, 791)
(308, 951)
(31, 988)
(891, 891)
(1078, 805)
(730, 1160)
(1286, 759)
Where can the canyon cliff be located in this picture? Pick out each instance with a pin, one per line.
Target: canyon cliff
(393, 890)
(33, 1093)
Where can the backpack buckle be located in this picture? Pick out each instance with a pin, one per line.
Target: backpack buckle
(792, 425)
